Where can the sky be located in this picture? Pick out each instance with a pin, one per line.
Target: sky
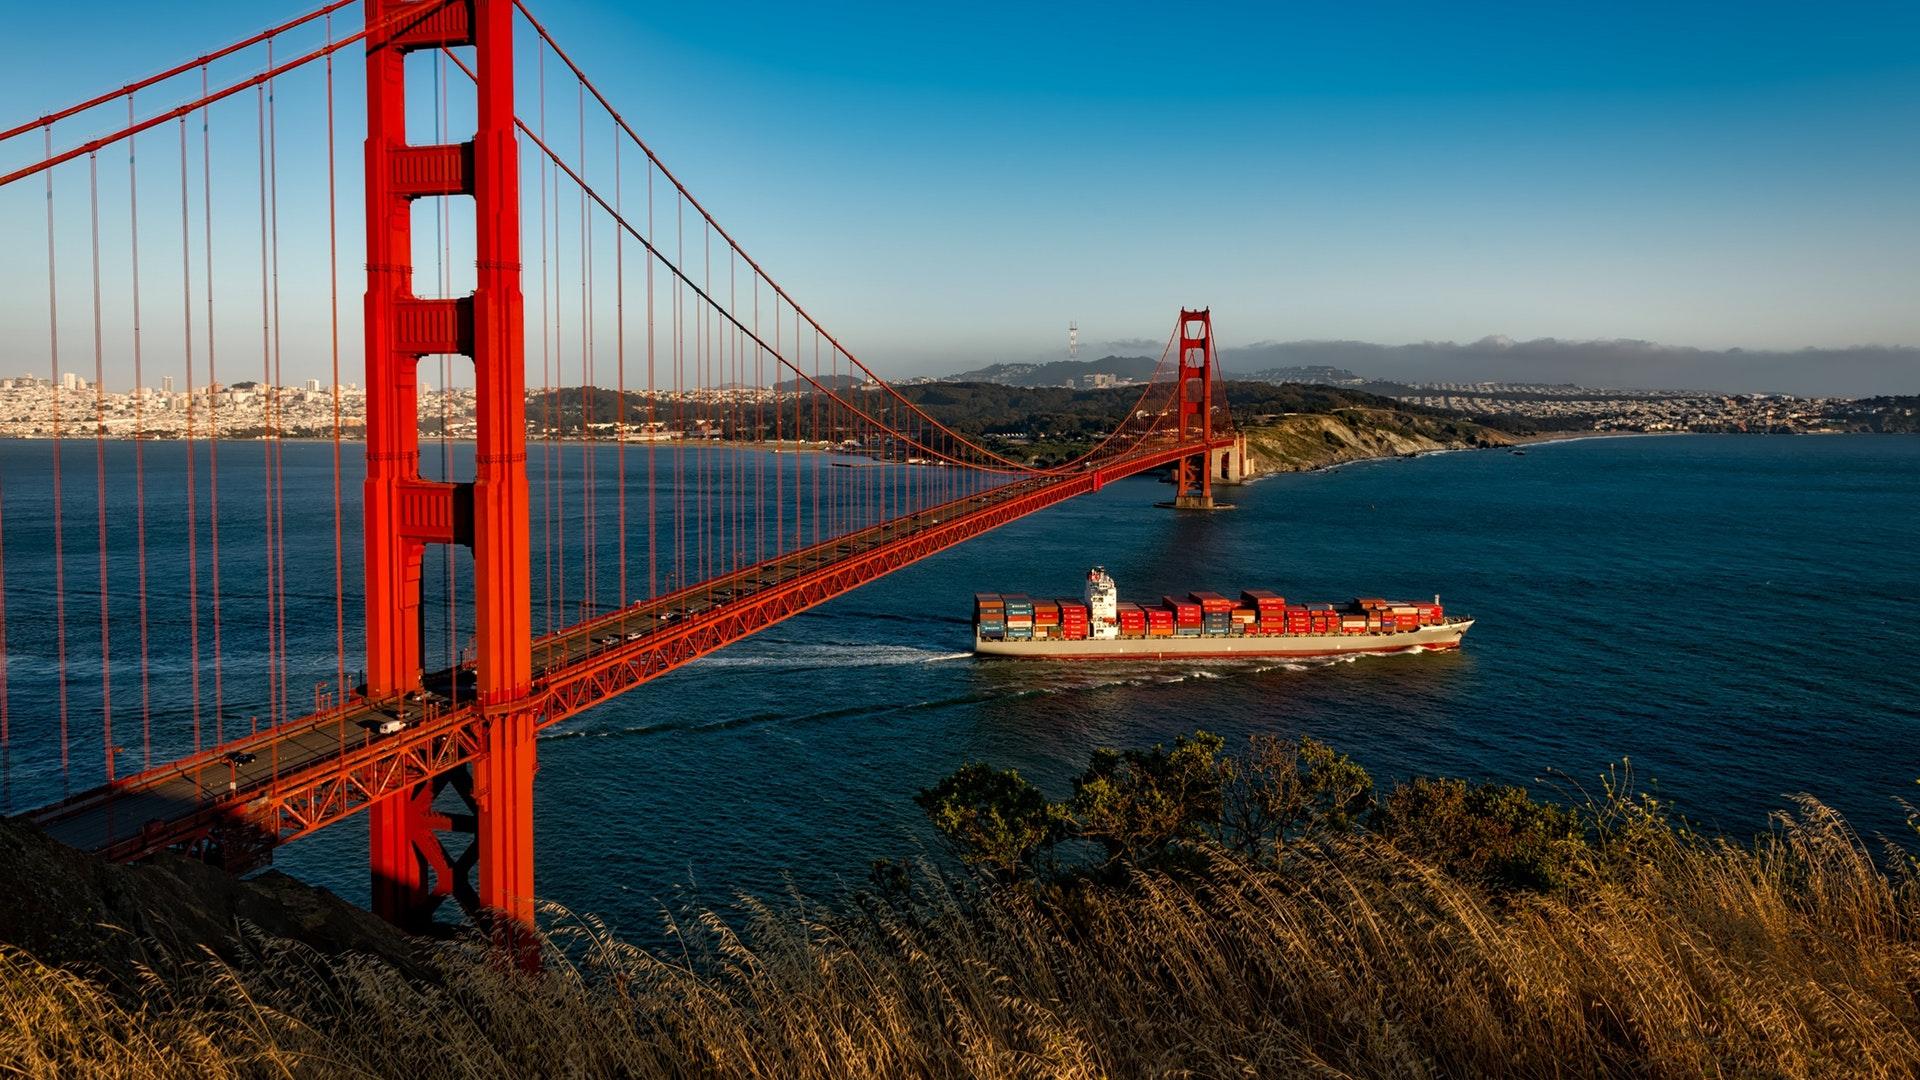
(948, 186)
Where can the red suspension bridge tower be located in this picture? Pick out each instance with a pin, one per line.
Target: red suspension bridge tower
(1193, 374)
(412, 870)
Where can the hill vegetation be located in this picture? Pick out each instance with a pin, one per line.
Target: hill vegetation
(1059, 372)
(1181, 911)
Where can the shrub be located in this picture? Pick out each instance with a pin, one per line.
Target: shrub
(995, 819)
(1136, 803)
(1490, 833)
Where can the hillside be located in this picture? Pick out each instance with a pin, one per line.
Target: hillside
(1059, 372)
(1267, 913)
(1050, 423)
(1304, 442)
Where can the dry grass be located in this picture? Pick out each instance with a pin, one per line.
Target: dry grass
(1671, 956)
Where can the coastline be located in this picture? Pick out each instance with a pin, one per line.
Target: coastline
(1516, 442)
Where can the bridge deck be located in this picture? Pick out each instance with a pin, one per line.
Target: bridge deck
(286, 781)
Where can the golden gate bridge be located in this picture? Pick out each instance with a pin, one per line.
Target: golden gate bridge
(230, 195)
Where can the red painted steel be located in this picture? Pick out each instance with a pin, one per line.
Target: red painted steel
(403, 753)
(1194, 360)
(405, 512)
(572, 673)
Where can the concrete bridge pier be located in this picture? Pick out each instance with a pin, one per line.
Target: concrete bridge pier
(1226, 465)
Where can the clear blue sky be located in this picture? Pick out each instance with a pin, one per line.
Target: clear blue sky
(948, 185)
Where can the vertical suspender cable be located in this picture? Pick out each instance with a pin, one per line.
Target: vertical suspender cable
(587, 561)
(139, 457)
(193, 501)
(59, 543)
(214, 391)
(588, 564)
(653, 581)
(266, 396)
(703, 354)
(276, 433)
(546, 360)
(620, 379)
(559, 461)
(333, 318)
(679, 478)
(100, 469)
(759, 432)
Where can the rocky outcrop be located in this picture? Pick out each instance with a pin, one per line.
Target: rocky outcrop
(1305, 441)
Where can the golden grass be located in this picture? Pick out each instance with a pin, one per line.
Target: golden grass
(1671, 956)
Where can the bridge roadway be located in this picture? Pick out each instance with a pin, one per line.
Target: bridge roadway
(290, 780)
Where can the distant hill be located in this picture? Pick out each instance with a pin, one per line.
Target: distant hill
(831, 382)
(1313, 375)
(1059, 372)
(1139, 369)
(1857, 371)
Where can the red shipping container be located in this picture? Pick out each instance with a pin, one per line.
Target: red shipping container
(1184, 612)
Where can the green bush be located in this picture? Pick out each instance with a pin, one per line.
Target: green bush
(1491, 833)
(994, 818)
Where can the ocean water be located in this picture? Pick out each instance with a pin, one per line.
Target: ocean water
(1739, 616)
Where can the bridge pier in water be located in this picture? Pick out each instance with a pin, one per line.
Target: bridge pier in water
(412, 870)
(1193, 477)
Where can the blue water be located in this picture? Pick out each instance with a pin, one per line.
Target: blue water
(1738, 615)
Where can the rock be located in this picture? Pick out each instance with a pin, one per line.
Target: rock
(1304, 442)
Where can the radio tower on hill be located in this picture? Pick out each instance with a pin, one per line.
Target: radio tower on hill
(1073, 340)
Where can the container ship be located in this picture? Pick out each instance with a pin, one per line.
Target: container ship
(1203, 625)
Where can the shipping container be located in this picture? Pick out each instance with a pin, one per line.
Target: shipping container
(1184, 612)
(1210, 624)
